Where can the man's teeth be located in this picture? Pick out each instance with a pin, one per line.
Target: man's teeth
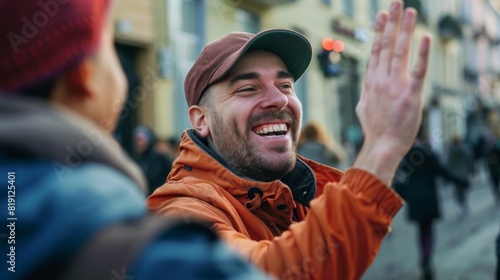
(273, 128)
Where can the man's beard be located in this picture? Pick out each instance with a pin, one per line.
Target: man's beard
(239, 154)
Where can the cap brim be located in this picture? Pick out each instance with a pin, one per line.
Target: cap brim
(292, 47)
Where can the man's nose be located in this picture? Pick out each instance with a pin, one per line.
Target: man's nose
(274, 98)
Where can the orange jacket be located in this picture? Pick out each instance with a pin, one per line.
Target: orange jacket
(336, 237)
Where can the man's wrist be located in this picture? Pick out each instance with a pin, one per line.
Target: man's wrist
(381, 161)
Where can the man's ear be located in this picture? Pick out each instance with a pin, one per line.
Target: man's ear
(199, 120)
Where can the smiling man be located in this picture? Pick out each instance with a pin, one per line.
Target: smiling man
(238, 168)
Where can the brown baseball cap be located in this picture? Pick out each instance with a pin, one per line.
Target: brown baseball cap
(219, 56)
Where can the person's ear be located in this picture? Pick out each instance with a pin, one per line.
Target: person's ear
(198, 120)
(76, 86)
(78, 80)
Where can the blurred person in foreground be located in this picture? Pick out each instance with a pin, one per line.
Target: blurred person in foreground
(77, 198)
(460, 163)
(314, 143)
(154, 164)
(238, 168)
(416, 182)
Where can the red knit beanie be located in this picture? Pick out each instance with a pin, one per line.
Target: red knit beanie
(39, 39)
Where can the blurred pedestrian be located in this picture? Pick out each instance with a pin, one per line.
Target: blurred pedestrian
(497, 253)
(461, 164)
(162, 146)
(416, 182)
(493, 161)
(479, 135)
(76, 201)
(154, 164)
(239, 170)
(174, 144)
(316, 144)
(169, 147)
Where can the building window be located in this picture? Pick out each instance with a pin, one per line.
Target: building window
(425, 13)
(188, 10)
(465, 10)
(187, 36)
(247, 21)
(373, 10)
(348, 6)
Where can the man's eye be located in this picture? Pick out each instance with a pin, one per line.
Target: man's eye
(246, 89)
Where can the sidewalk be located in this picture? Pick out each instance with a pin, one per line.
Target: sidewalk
(464, 248)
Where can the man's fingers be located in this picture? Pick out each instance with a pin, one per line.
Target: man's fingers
(420, 69)
(380, 22)
(401, 55)
(390, 33)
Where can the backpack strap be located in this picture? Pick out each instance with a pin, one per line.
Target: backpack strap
(113, 250)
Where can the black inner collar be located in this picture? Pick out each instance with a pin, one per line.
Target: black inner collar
(300, 180)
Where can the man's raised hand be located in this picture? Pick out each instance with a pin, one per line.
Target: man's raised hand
(390, 106)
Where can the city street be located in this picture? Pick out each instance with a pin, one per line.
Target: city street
(464, 248)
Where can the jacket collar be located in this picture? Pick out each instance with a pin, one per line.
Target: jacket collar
(301, 180)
